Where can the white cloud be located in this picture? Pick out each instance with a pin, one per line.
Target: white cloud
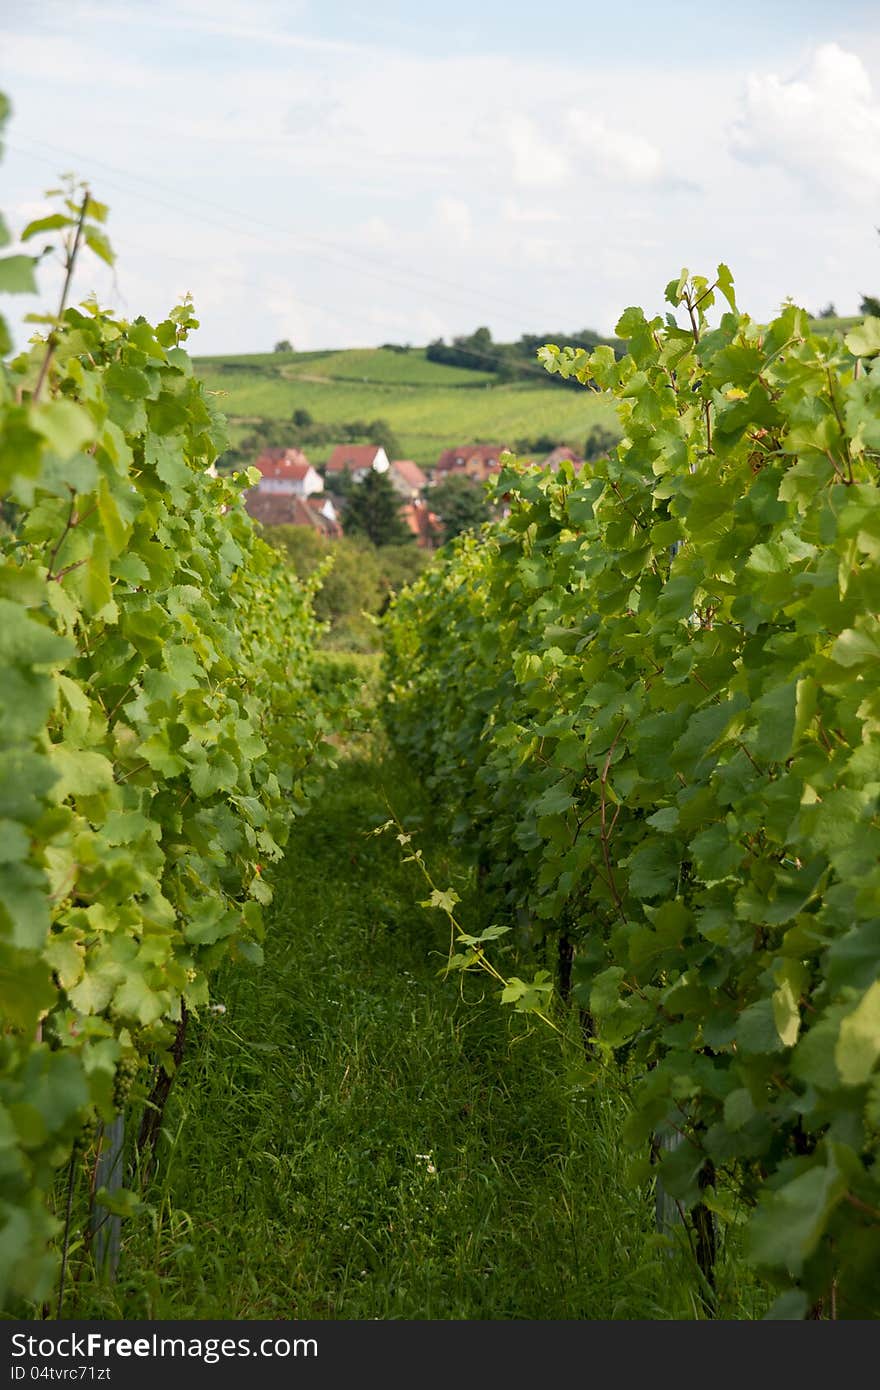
(455, 215)
(258, 21)
(28, 210)
(536, 162)
(619, 263)
(528, 213)
(616, 155)
(375, 232)
(546, 252)
(66, 61)
(822, 126)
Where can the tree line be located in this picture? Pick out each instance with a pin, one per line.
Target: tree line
(478, 351)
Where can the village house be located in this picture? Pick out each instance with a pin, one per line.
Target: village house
(357, 460)
(407, 478)
(475, 461)
(287, 473)
(289, 493)
(326, 516)
(286, 509)
(424, 525)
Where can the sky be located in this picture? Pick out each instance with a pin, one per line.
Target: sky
(345, 175)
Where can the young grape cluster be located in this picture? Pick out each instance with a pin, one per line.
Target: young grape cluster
(86, 1137)
(127, 1069)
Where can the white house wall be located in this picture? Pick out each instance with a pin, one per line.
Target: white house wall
(293, 487)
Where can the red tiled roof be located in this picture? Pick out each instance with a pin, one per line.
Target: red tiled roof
(330, 525)
(486, 454)
(285, 509)
(410, 472)
(347, 456)
(318, 501)
(283, 463)
(425, 525)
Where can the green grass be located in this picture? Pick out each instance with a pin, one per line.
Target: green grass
(430, 406)
(294, 1181)
(383, 367)
(833, 325)
(379, 365)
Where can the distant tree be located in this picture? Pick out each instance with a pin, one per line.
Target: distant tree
(351, 589)
(379, 432)
(537, 444)
(359, 583)
(400, 565)
(461, 505)
(303, 430)
(599, 441)
(475, 351)
(303, 548)
(339, 484)
(514, 361)
(480, 341)
(829, 312)
(285, 345)
(373, 510)
(353, 586)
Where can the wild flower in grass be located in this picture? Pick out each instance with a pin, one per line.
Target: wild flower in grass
(428, 1160)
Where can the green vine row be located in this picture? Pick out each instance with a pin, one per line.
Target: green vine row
(652, 696)
(159, 724)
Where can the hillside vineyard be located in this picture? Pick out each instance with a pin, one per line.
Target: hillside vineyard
(647, 703)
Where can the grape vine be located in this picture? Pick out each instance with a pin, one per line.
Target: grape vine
(651, 695)
(159, 724)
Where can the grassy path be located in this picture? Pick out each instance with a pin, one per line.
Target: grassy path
(355, 1138)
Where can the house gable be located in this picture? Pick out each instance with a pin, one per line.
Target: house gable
(287, 471)
(358, 459)
(478, 461)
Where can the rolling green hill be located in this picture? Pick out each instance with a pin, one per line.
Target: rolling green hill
(429, 406)
(833, 325)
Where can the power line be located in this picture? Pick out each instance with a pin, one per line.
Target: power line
(303, 237)
(213, 222)
(514, 312)
(494, 359)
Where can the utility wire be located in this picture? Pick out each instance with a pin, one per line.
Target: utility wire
(492, 359)
(496, 359)
(515, 312)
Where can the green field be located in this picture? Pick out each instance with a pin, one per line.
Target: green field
(833, 325)
(429, 406)
(379, 366)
